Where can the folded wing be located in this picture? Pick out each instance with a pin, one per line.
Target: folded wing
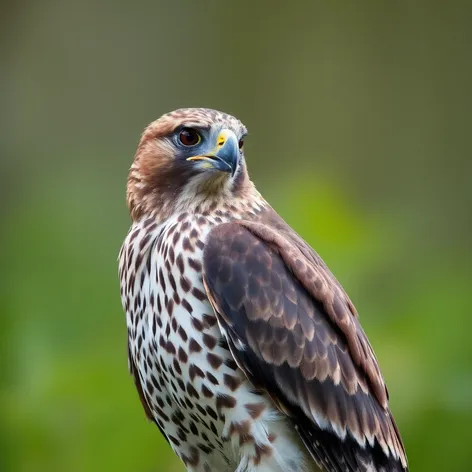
(294, 332)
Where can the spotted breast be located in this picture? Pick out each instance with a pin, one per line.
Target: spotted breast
(189, 383)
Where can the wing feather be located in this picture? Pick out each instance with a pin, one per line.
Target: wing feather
(293, 330)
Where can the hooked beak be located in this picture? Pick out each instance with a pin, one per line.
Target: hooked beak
(224, 157)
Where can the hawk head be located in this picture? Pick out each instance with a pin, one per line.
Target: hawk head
(184, 158)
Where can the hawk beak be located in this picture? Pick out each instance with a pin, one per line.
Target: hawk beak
(225, 155)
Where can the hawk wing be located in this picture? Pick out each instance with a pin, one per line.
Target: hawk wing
(295, 333)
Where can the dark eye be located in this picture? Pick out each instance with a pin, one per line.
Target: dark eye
(241, 143)
(189, 137)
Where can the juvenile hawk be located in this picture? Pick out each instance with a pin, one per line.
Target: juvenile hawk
(245, 350)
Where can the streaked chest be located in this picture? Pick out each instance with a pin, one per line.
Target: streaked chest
(182, 359)
(162, 289)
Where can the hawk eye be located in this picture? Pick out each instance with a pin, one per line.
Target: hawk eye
(189, 137)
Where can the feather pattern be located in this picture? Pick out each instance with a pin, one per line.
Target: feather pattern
(245, 350)
(295, 333)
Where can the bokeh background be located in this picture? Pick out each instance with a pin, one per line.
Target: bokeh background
(360, 136)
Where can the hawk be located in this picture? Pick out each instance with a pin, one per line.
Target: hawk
(245, 350)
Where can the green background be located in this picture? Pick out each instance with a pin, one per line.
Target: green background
(359, 116)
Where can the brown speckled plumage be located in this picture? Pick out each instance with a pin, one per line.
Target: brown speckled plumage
(245, 350)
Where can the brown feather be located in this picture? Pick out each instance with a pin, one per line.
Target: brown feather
(317, 361)
(288, 323)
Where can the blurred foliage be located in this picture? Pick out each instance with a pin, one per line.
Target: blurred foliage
(359, 120)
